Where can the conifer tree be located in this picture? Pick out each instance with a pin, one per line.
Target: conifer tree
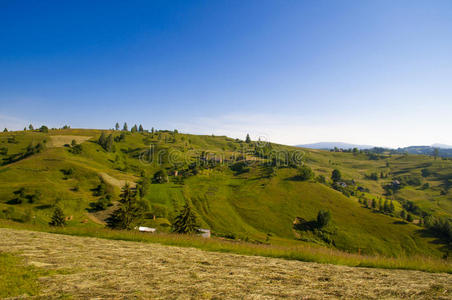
(102, 139)
(129, 211)
(386, 206)
(109, 146)
(248, 139)
(30, 127)
(58, 218)
(134, 128)
(5, 130)
(374, 204)
(117, 126)
(186, 222)
(391, 207)
(380, 204)
(140, 129)
(125, 128)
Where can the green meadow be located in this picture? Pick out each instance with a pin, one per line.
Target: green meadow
(247, 194)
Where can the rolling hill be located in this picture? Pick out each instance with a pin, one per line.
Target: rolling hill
(241, 191)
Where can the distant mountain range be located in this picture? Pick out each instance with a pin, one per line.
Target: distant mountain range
(332, 145)
(443, 150)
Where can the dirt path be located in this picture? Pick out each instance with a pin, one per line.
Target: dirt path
(115, 182)
(106, 269)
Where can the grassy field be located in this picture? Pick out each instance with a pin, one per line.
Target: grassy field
(250, 206)
(301, 252)
(85, 269)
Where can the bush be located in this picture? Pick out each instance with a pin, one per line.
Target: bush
(305, 173)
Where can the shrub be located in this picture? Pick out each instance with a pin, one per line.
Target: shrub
(305, 173)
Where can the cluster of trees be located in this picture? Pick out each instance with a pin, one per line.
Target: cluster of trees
(106, 142)
(383, 207)
(22, 195)
(439, 226)
(135, 128)
(105, 194)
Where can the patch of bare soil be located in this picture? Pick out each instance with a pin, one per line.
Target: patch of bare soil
(106, 269)
(61, 140)
(115, 182)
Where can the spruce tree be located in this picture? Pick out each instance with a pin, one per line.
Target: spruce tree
(109, 146)
(117, 126)
(140, 129)
(186, 222)
(374, 204)
(5, 130)
(102, 139)
(386, 206)
(336, 175)
(391, 207)
(129, 210)
(134, 128)
(30, 127)
(125, 128)
(58, 218)
(248, 139)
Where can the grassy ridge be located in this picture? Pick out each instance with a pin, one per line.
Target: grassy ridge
(249, 206)
(307, 253)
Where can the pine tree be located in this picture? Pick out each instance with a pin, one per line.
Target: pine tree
(5, 130)
(391, 207)
(336, 175)
(186, 222)
(152, 130)
(109, 146)
(30, 127)
(248, 139)
(134, 128)
(125, 128)
(386, 206)
(140, 129)
(129, 211)
(102, 139)
(25, 128)
(58, 218)
(117, 126)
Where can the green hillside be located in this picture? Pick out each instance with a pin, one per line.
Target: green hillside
(243, 191)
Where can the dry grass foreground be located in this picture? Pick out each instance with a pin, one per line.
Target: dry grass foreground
(107, 269)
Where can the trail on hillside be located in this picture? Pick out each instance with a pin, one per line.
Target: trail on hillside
(110, 269)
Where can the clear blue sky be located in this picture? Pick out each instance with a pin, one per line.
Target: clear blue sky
(369, 72)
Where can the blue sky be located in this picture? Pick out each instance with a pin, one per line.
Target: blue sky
(368, 72)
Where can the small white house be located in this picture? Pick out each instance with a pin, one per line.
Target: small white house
(204, 232)
(145, 229)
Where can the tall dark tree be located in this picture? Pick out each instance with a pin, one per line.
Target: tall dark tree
(336, 175)
(247, 139)
(129, 210)
(125, 128)
(30, 127)
(140, 128)
(186, 221)
(134, 128)
(117, 126)
(109, 146)
(102, 139)
(58, 218)
(374, 204)
(5, 130)
(152, 130)
(323, 218)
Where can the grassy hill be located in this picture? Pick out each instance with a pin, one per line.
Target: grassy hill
(242, 191)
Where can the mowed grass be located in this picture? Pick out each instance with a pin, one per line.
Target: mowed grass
(306, 253)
